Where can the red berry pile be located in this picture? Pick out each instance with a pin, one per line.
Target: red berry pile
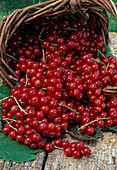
(63, 70)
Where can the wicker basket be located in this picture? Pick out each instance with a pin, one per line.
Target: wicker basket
(91, 11)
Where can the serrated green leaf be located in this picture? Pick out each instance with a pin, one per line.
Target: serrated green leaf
(76, 133)
(0, 119)
(98, 134)
(0, 126)
(4, 91)
(11, 150)
(108, 51)
(113, 128)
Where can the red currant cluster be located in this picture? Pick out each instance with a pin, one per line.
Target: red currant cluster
(75, 149)
(62, 75)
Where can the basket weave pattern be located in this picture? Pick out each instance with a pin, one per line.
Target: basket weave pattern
(92, 11)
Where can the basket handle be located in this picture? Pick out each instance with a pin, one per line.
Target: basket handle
(94, 5)
(110, 90)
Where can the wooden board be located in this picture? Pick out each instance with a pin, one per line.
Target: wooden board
(113, 43)
(103, 156)
(104, 152)
(31, 165)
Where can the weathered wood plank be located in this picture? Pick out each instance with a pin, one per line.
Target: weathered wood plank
(113, 43)
(104, 156)
(31, 165)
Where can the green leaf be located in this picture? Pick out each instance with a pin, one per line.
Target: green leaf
(0, 126)
(0, 119)
(11, 150)
(11, 57)
(98, 134)
(4, 91)
(108, 51)
(113, 128)
(76, 133)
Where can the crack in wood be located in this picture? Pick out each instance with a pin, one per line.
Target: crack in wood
(2, 165)
(114, 160)
(10, 164)
(44, 161)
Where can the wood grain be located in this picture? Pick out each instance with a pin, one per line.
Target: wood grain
(113, 43)
(31, 165)
(103, 156)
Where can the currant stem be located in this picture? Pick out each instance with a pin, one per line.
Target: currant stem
(11, 57)
(9, 119)
(44, 88)
(73, 71)
(107, 66)
(41, 33)
(68, 108)
(19, 106)
(71, 29)
(26, 80)
(43, 56)
(37, 38)
(43, 40)
(62, 89)
(93, 122)
(101, 53)
(4, 99)
(54, 44)
(45, 66)
(22, 102)
(58, 147)
(99, 61)
(36, 119)
(73, 149)
(10, 125)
